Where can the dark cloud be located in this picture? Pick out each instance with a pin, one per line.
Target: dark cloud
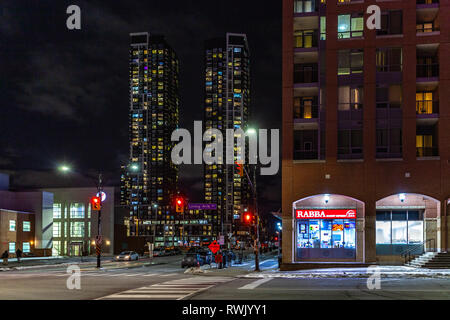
(64, 94)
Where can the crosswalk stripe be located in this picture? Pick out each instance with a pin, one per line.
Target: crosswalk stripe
(174, 289)
(255, 284)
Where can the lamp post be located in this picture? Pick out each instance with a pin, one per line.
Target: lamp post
(66, 169)
(252, 131)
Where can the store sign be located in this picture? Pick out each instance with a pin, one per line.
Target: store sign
(326, 214)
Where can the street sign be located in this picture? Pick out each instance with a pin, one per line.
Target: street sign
(214, 247)
(221, 240)
(98, 240)
(202, 206)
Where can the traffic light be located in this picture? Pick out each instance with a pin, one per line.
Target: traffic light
(239, 169)
(179, 205)
(249, 218)
(96, 203)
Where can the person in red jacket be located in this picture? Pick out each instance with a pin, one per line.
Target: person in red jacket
(218, 260)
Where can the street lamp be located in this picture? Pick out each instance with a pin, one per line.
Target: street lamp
(65, 169)
(252, 131)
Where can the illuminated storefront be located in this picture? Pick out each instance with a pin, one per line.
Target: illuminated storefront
(325, 234)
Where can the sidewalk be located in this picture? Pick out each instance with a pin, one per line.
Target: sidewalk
(50, 262)
(236, 270)
(384, 272)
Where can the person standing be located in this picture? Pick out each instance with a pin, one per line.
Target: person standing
(18, 254)
(5, 257)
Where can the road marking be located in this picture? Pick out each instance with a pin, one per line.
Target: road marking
(168, 275)
(255, 284)
(173, 289)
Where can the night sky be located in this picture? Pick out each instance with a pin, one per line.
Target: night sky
(64, 94)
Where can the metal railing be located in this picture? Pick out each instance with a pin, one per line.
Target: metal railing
(427, 107)
(306, 39)
(427, 1)
(427, 70)
(409, 255)
(306, 154)
(306, 112)
(427, 152)
(306, 76)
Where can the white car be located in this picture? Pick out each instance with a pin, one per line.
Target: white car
(127, 256)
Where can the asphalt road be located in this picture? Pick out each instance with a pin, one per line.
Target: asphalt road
(141, 281)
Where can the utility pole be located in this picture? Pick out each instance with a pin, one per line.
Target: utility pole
(99, 221)
(255, 201)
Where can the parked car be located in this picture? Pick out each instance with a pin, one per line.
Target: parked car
(204, 252)
(159, 252)
(174, 251)
(192, 260)
(127, 256)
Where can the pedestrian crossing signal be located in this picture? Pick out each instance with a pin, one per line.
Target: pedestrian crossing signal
(96, 203)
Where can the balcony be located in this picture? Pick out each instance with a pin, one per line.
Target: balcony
(306, 154)
(427, 27)
(427, 70)
(426, 107)
(305, 75)
(427, 1)
(305, 7)
(349, 1)
(427, 4)
(422, 152)
(305, 39)
(306, 112)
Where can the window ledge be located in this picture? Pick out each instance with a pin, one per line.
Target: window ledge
(388, 159)
(424, 34)
(349, 39)
(308, 161)
(429, 158)
(350, 160)
(384, 36)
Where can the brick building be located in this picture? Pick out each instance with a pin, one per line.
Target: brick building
(366, 171)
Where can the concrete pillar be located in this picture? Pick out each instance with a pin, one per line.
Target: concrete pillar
(287, 243)
(369, 232)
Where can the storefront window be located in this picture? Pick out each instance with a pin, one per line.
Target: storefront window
(326, 238)
(415, 232)
(383, 232)
(399, 231)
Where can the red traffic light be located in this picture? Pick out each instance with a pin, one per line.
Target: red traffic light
(276, 238)
(179, 204)
(96, 203)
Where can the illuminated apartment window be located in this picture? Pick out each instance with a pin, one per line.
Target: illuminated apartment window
(350, 26)
(305, 39)
(424, 103)
(302, 6)
(323, 28)
(350, 98)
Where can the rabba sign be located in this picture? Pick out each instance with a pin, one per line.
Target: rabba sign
(326, 214)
